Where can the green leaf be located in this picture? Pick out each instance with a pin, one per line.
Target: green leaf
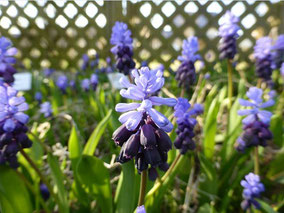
(93, 141)
(95, 179)
(266, 207)
(278, 134)
(74, 146)
(125, 193)
(210, 127)
(14, 196)
(58, 179)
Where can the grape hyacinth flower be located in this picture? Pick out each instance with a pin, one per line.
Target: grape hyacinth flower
(44, 191)
(123, 50)
(46, 109)
(94, 80)
(228, 33)
(13, 128)
(143, 132)
(263, 58)
(252, 189)
(38, 97)
(256, 124)
(186, 74)
(88, 63)
(282, 70)
(72, 84)
(85, 84)
(62, 83)
(48, 72)
(7, 60)
(186, 123)
(140, 209)
(279, 51)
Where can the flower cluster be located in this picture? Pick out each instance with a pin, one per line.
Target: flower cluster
(48, 72)
(185, 74)
(186, 124)
(256, 124)
(123, 50)
(62, 83)
(88, 63)
(7, 60)
(46, 109)
(228, 33)
(38, 97)
(279, 51)
(252, 189)
(143, 133)
(13, 128)
(263, 58)
(86, 83)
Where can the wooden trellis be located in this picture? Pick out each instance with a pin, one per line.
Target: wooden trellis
(57, 33)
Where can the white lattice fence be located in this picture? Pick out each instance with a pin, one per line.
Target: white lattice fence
(57, 33)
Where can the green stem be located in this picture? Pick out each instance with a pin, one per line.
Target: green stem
(230, 92)
(188, 188)
(171, 168)
(142, 188)
(230, 83)
(50, 189)
(28, 184)
(256, 161)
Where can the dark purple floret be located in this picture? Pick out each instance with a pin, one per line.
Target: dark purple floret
(148, 145)
(228, 33)
(185, 74)
(44, 191)
(252, 189)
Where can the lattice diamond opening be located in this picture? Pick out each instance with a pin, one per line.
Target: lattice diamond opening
(168, 9)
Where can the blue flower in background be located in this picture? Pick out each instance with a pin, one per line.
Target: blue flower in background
(123, 50)
(48, 72)
(189, 48)
(44, 191)
(85, 84)
(252, 189)
(186, 123)
(121, 36)
(94, 80)
(72, 84)
(13, 128)
(256, 124)
(228, 33)
(62, 83)
(186, 74)
(256, 103)
(46, 109)
(7, 60)
(263, 58)
(140, 209)
(143, 133)
(38, 97)
(278, 47)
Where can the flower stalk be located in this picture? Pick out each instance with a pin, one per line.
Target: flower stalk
(142, 188)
